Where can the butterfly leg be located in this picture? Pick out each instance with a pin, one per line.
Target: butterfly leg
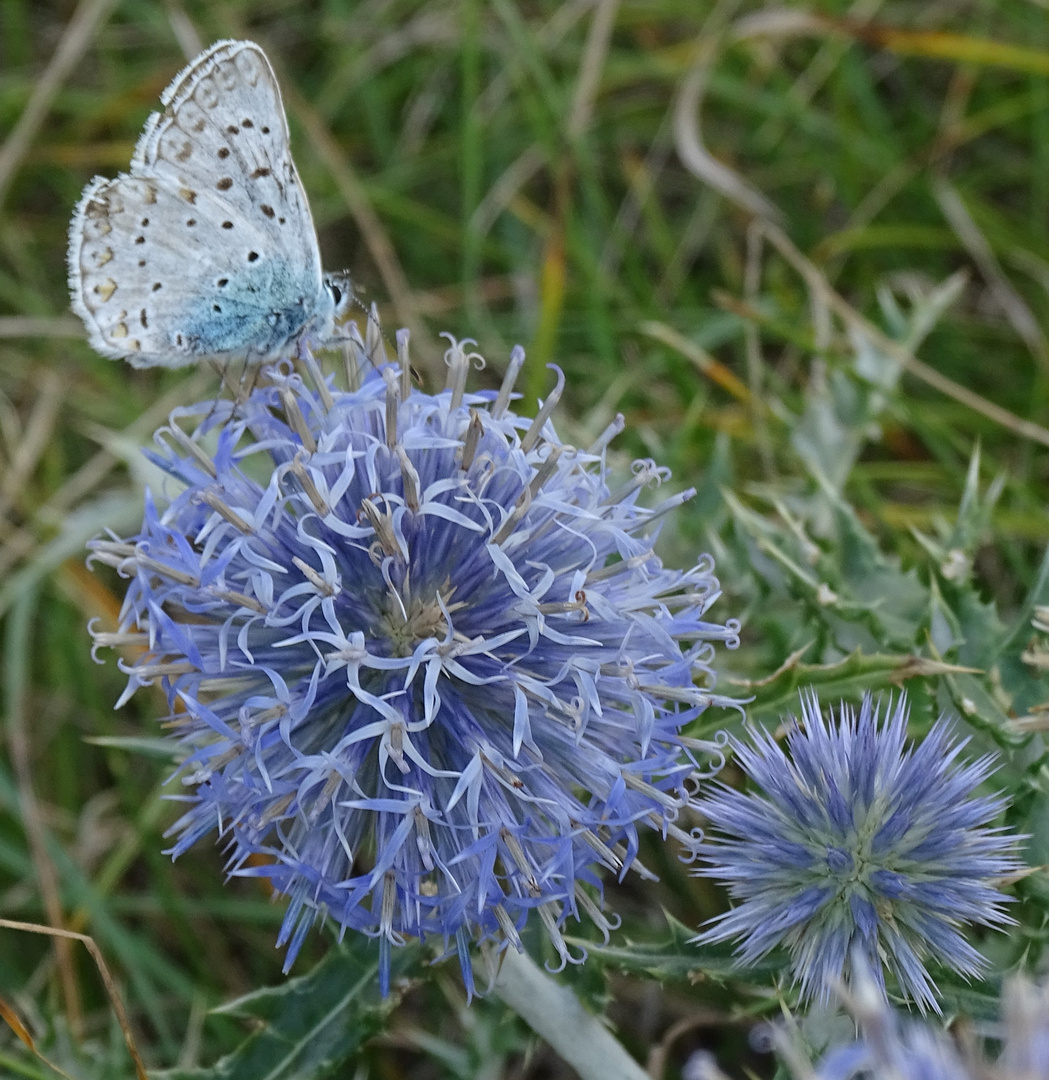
(221, 372)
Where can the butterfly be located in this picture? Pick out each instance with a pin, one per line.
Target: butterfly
(205, 249)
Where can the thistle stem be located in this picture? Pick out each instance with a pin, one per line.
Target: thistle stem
(555, 1014)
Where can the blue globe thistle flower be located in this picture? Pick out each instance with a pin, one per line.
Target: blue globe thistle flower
(1024, 1034)
(427, 672)
(901, 1049)
(893, 1046)
(890, 1045)
(856, 841)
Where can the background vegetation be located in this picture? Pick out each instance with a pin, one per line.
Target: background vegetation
(826, 314)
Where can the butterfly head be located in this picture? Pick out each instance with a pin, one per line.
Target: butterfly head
(338, 288)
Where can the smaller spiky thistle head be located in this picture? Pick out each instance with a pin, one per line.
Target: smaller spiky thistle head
(427, 672)
(894, 1046)
(856, 841)
(890, 1046)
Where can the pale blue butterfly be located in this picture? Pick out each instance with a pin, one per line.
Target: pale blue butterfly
(205, 249)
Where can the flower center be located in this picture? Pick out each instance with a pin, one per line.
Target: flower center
(404, 623)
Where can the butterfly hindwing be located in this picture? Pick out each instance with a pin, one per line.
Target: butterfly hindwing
(207, 249)
(132, 242)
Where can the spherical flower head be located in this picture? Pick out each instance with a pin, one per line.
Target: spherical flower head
(893, 1046)
(854, 840)
(427, 672)
(906, 1049)
(890, 1046)
(1025, 1030)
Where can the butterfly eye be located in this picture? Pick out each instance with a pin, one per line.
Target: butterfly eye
(336, 292)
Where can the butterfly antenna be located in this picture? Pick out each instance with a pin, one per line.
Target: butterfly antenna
(375, 343)
(375, 340)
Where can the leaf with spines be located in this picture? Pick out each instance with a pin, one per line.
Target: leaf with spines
(312, 1024)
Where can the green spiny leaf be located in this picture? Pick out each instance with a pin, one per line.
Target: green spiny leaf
(311, 1024)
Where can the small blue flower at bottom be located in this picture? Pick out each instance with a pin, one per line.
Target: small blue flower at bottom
(891, 1045)
(854, 840)
(894, 1046)
(427, 672)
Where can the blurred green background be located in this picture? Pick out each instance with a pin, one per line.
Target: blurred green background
(513, 172)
